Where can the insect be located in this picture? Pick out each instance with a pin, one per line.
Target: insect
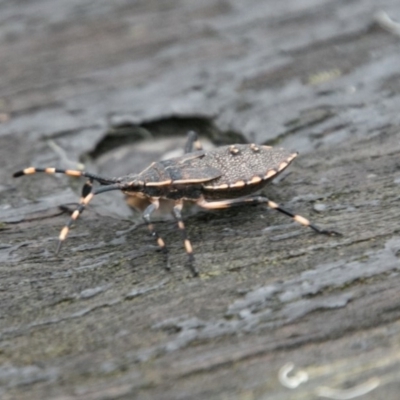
(224, 177)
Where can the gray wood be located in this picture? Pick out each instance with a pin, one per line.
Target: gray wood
(115, 85)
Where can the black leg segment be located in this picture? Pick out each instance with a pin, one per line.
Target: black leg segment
(192, 140)
(81, 207)
(146, 216)
(87, 188)
(177, 213)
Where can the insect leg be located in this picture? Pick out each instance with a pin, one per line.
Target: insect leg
(82, 205)
(192, 139)
(177, 213)
(146, 216)
(263, 200)
(86, 188)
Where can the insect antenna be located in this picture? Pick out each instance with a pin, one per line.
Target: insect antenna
(70, 172)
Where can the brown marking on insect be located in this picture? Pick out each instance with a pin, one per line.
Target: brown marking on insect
(238, 184)
(272, 204)
(72, 172)
(189, 181)
(270, 173)
(63, 233)
(163, 183)
(219, 187)
(149, 167)
(254, 180)
(88, 198)
(137, 202)
(212, 205)
(301, 220)
(160, 242)
(28, 171)
(282, 166)
(198, 146)
(50, 170)
(234, 150)
(255, 148)
(292, 157)
(188, 246)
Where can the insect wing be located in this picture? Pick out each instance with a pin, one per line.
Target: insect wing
(190, 168)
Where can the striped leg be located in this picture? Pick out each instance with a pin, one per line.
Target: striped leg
(78, 211)
(263, 200)
(177, 213)
(155, 204)
(192, 139)
(87, 188)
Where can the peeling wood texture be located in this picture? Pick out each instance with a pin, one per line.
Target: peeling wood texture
(116, 85)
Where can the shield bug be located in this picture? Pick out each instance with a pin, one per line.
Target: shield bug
(224, 177)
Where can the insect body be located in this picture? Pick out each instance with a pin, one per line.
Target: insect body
(221, 178)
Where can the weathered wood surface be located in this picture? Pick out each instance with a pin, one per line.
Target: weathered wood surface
(112, 85)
